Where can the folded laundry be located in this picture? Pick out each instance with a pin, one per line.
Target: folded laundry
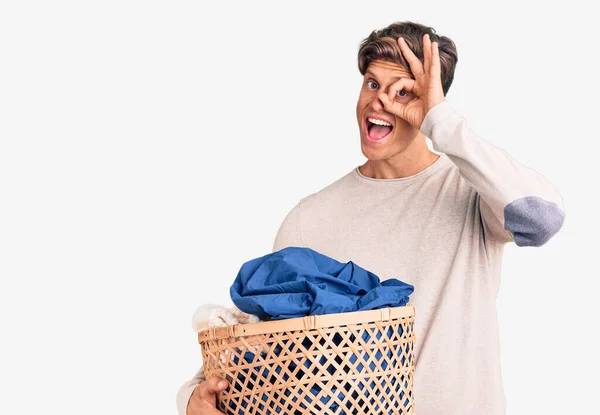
(299, 281)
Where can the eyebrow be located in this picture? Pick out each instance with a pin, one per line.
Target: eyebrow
(395, 78)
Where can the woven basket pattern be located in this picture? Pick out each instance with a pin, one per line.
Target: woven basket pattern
(317, 368)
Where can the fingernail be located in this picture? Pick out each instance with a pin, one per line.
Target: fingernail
(222, 384)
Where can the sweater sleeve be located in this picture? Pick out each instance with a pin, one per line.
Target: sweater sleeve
(516, 203)
(185, 391)
(289, 231)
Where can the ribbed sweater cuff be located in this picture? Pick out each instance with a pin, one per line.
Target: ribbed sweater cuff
(435, 114)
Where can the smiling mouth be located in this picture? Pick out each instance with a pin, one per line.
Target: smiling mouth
(376, 132)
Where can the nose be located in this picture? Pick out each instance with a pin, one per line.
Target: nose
(376, 104)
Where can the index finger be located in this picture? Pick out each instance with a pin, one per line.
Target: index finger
(403, 84)
(415, 64)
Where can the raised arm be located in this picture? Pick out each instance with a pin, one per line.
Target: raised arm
(516, 202)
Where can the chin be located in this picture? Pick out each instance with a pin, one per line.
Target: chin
(369, 155)
(374, 153)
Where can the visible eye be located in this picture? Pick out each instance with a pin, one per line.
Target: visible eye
(371, 82)
(401, 93)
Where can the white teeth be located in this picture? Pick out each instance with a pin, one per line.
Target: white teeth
(379, 122)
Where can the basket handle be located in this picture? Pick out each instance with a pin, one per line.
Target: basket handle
(222, 332)
(311, 322)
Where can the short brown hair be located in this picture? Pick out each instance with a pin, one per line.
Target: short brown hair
(383, 45)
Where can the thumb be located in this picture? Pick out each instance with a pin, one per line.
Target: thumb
(209, 389)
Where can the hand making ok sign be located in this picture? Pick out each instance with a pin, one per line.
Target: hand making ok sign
(427, 85)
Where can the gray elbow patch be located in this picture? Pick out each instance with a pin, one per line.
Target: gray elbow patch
(532, 220)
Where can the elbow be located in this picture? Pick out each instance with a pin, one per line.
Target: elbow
(533, 220)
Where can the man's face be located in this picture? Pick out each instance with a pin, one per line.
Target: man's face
(383, 142)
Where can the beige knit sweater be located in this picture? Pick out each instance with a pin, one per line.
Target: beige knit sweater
(442, 230)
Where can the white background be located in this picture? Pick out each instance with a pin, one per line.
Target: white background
(150, 148)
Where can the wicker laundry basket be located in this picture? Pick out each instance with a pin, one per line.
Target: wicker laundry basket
(346, 363)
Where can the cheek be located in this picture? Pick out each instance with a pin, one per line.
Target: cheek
(359, 107)
(361, 103)
(401, 125)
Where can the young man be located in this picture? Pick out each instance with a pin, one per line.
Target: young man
(436, 221)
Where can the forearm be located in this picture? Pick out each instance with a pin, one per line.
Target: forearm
(520, 198)
(186, 390)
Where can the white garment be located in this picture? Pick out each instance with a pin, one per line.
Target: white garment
(212, 315)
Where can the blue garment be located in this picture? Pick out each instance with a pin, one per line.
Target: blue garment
(297, 282)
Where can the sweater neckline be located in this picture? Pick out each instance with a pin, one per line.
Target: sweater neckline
(428, 171)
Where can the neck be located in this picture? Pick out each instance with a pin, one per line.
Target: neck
(401, 165)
